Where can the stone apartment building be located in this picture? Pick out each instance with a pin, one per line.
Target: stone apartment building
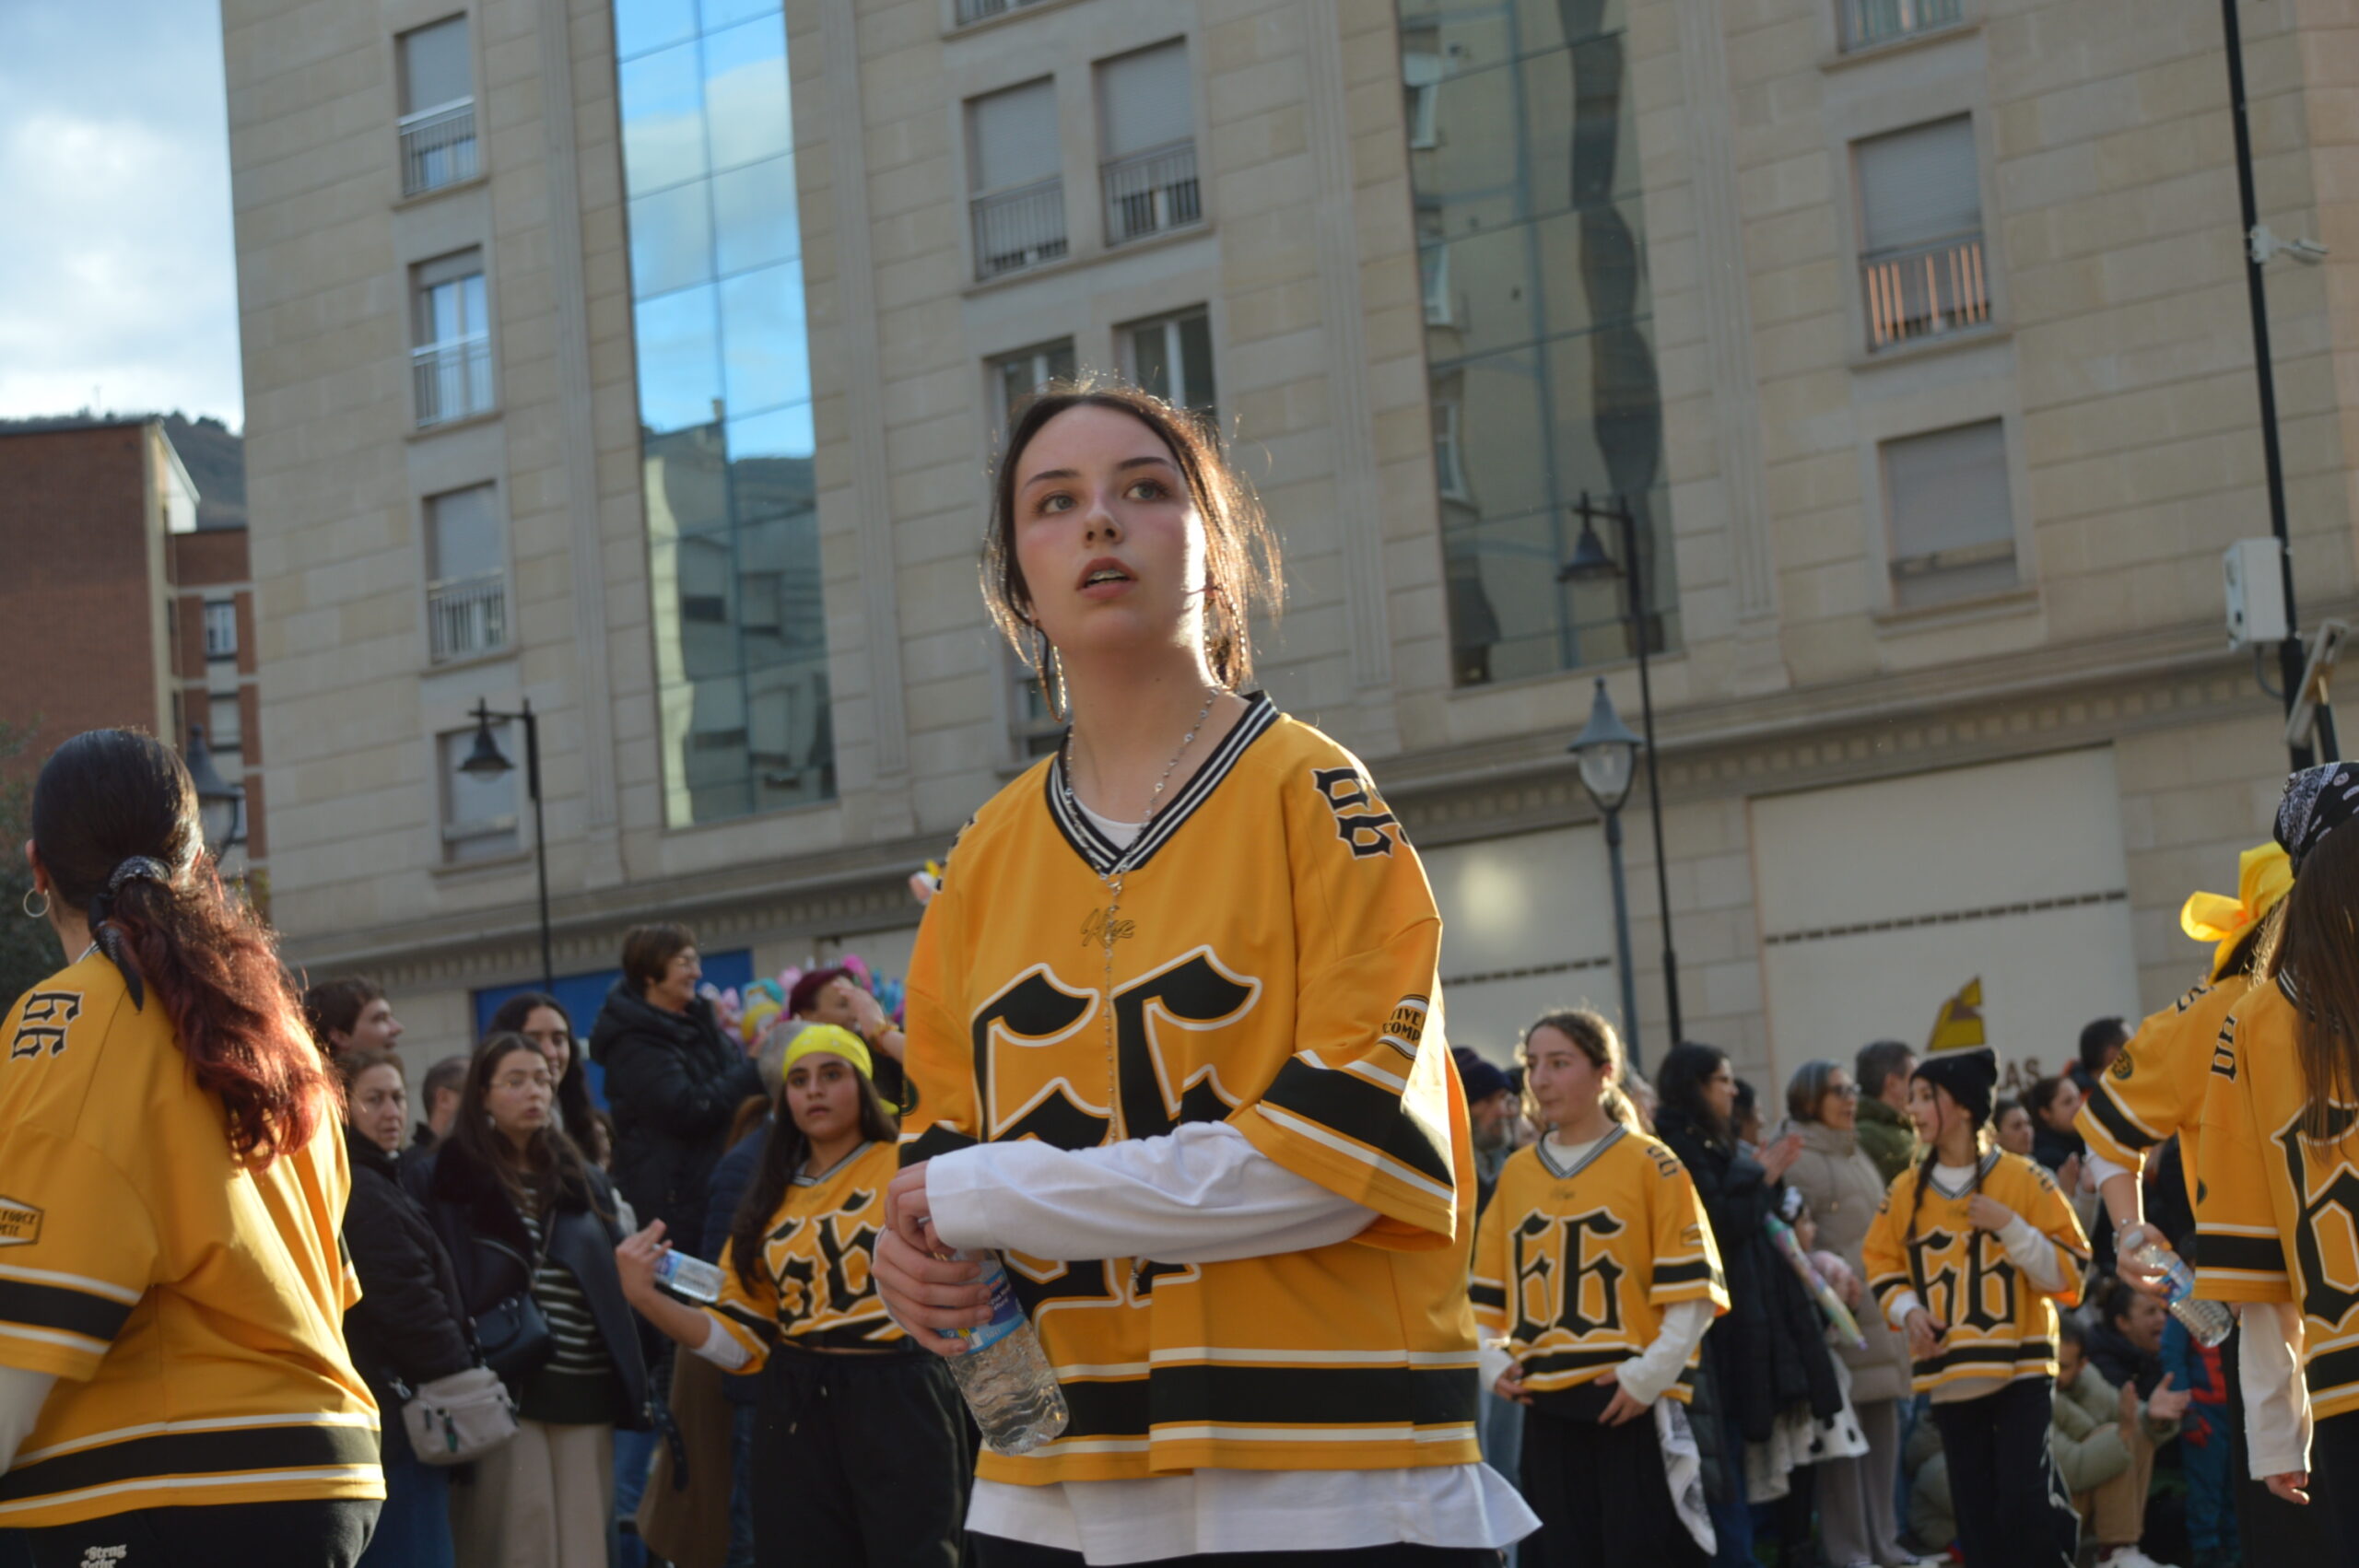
(127, 603)
(642, 360)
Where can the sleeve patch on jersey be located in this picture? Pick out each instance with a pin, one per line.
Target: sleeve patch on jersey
(19, 1223)
(1406, 1027)
(1361, 819)
(2122, 1066)
(43, 1025)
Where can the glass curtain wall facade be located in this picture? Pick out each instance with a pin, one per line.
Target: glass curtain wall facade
(724, 406)
(1538, 324)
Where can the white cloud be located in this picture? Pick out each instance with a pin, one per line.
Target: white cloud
(118, 286)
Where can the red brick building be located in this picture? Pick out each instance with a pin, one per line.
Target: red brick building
(120, 609)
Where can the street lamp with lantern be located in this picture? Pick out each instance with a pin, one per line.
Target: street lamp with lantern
(1591, 563)
(221, 805)
(1608, 753)
(486, 761)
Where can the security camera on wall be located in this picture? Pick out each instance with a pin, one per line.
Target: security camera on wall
(2255, 588)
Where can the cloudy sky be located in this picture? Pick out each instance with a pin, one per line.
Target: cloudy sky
(117, 284)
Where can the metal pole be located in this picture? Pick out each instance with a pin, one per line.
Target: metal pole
(1654, 784)
(1622, 940)
(2290, 660)
(540, 838)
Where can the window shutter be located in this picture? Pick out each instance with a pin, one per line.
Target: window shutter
(1952, 526)
(434, 66)
(1011, 137)
(1920, 185)
(1142, 101)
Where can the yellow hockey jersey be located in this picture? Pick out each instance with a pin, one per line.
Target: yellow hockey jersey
(818, 1286)
(1271, 962)
(191, 1308)
(1575, 1263)
(2277, 1213)
(2000, 1325)
(2155, 1087)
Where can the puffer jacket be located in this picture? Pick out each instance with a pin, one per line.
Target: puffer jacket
(1769, 1352)
(1839, 1182)
(675, 1082)
(410, 1325)
(2085, 1433)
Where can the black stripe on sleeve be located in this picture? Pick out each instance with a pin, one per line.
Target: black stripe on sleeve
(1682, 1273)
(1275, 1395)
(55, 1307)
(1882, 1288)
(2124, 1133)
(2257, 1255)
(1487, 1295)
(936, 1140)
(1367, 1113)
(193, 1454)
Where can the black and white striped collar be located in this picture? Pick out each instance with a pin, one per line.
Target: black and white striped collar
(1587, 1159)
(1982, 1169)
(1107, 859)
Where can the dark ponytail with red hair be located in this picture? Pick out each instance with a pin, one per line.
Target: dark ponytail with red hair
(114, 825)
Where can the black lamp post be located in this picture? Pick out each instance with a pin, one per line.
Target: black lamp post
(221, 805)
(1608, 755)
(1591, 563)
(488, 761)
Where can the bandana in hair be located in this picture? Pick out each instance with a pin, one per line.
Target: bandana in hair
(109, 936)
(2318, 801)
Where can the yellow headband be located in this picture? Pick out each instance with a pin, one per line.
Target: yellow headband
(828, 1039)
(2263, 878)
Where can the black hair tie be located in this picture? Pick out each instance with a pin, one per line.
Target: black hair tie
(109, 937)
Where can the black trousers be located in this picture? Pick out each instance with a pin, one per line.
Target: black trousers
(1602, 1494)
(2013, 1510)
(2334, 1485)
(859, 1462)
(991, 1551)
(251, 1535)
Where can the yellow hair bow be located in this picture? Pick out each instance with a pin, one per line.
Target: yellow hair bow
(2263, 878)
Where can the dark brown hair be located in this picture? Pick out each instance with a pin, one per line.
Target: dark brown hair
(548, 1165)
(2312, 952)
(782, 1154)
(336, 1006)
(353, 1063)
(648, 950)
(573, 1089)
(107, 796)
(1241, 565)
(1597, 1041)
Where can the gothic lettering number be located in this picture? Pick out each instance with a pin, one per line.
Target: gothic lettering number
(1535, 1259)
(1034, 1010)
(42, 1027)
(1981, 1277)
(1940, 1290)
(1369, 829)
(1568, 1248)
(847, 1255)
(1193, 992)
(2321, 1298)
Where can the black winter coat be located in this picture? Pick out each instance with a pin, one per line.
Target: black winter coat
(478, 1223)
(411, 1323)
(2123, 1364)
(1769, 1352)
(673, 1082)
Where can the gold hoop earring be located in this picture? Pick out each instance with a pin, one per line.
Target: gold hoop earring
(26, 903)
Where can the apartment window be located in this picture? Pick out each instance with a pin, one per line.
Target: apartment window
(977, 10)
(1449, 460)
(1920, 221)
(450, 353)
(1146, 124)
(466, 574)
(1172, 357)
(1952, 529)
(1015, 168)
(225, 729)
(1421, 72)
(1867, 23)
(1016, 377)
(1433, 266)
(437, 124)
(478, 814)
(220, 628)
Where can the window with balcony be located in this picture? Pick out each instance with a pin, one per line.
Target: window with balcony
(1952, 529)
(1921, 233)
(220, 628)
(1172, 357)
(1016, 377)
(1421, 74)
(466, 574)
(1146, 126)
(450, 356)
(1016, 169)
(437, 124)
(982, 10)
(478, 814)
(1867, 23)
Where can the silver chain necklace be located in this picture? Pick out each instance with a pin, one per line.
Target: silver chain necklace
(1109, 931)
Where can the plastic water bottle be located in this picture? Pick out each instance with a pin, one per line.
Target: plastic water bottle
(1003, 1374)
(2209, 1321)
(690, 1277)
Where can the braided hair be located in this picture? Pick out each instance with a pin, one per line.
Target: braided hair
(1924, 1178)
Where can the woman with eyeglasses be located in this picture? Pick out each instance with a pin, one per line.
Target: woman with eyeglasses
(1841, 1184)
(542, 1018)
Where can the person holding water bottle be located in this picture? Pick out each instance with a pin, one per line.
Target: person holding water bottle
(859, 1443)
(1178, 1046)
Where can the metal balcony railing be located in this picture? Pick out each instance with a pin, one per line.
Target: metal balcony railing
(977, 10)
(1150, 192)
(452, 379)
(1926, 290)
(1019, 229)
(467, 616)
(1867, 23)
(438, 147)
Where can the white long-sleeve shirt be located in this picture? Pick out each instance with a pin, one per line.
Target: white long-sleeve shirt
(1199, 1194)
(2277, 1407)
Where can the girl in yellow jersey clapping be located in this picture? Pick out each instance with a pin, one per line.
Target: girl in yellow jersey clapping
(1595, 1276)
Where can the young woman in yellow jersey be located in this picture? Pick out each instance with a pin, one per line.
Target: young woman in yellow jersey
(174, 1387)
(1175, 1033)
(859, 1445)
(1595, 1276)
(1969, 1256)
